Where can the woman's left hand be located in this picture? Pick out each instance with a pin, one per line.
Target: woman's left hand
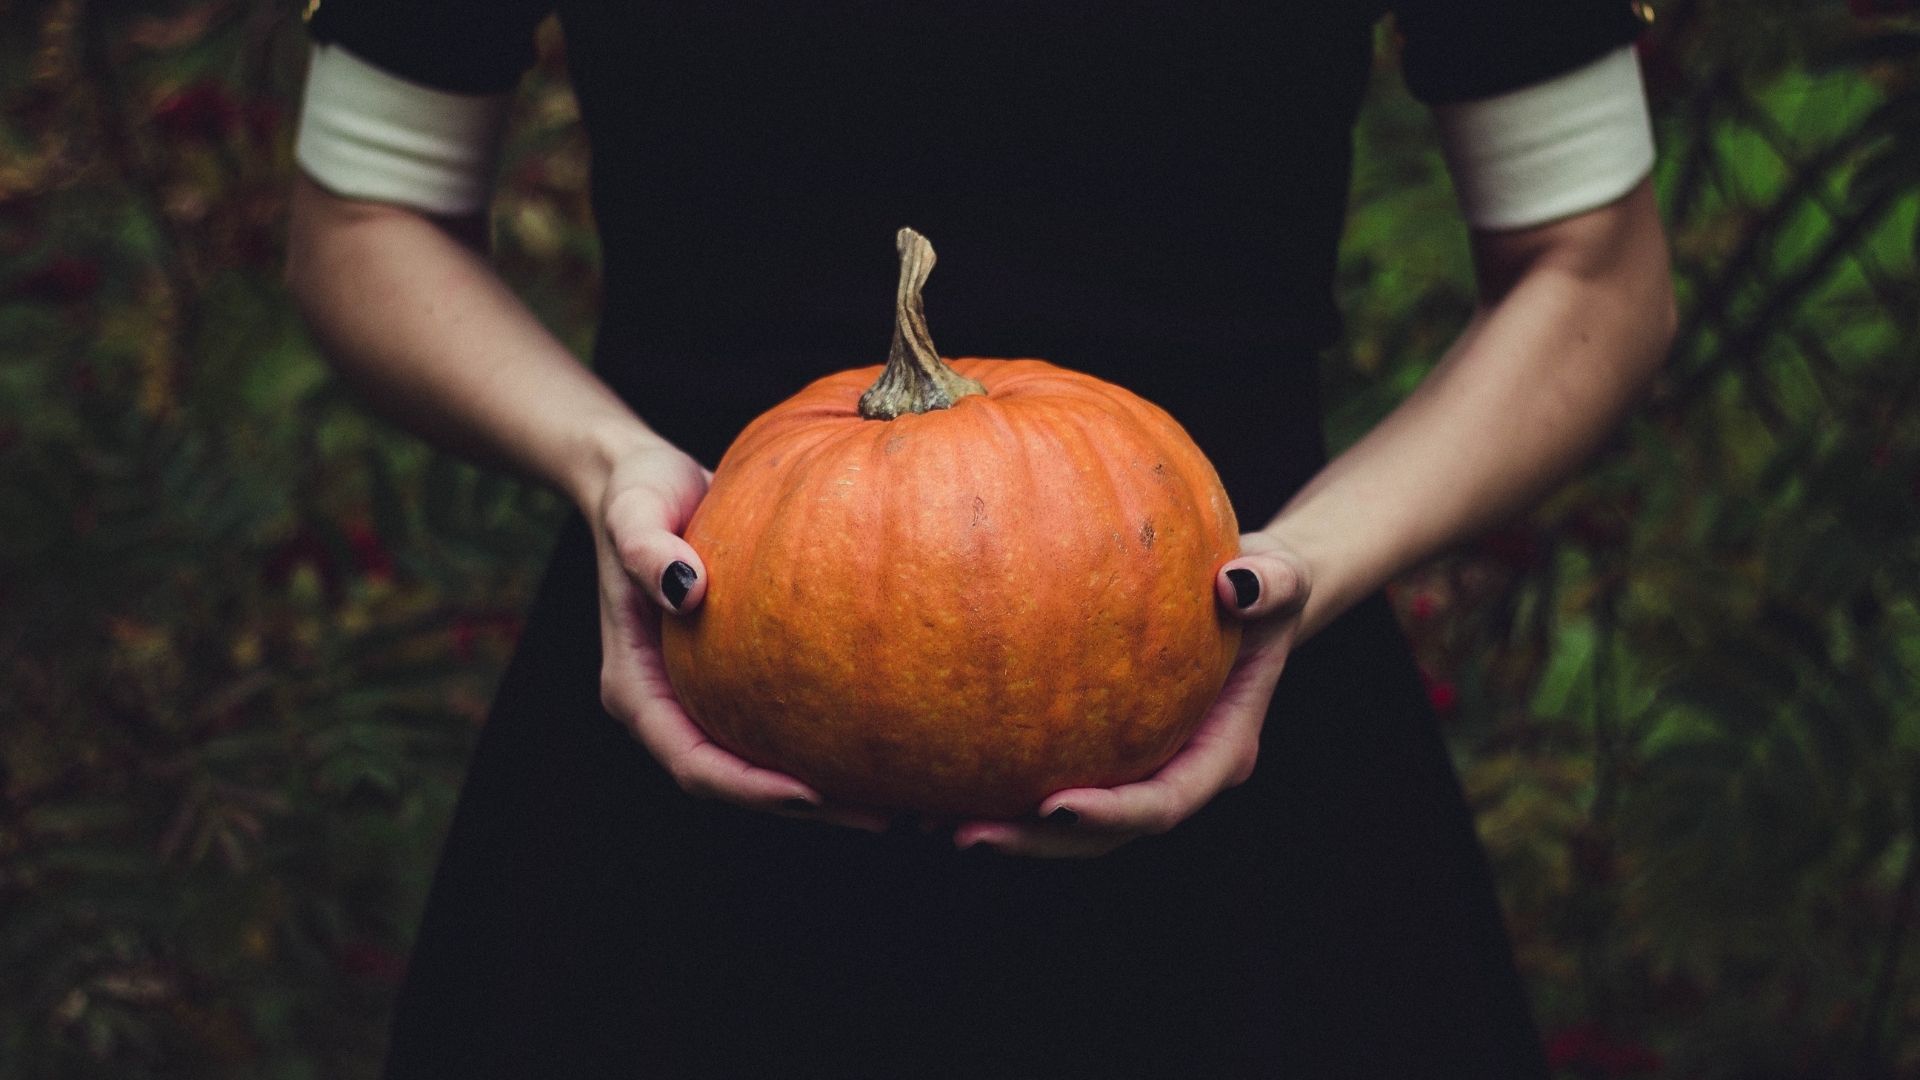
(1084, 822)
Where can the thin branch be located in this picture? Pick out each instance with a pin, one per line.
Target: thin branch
(136, 176)
(1880, 998)
(1785, 299)
(1714, 305)
(1778, 141)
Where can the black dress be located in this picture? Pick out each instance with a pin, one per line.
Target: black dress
(1149, 191)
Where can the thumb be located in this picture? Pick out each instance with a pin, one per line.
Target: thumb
(1256, 586)
(665, 566)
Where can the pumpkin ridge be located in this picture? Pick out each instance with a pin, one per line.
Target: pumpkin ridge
(1097, 631)
(1015, 586)
(786, 425)
(829, 399)
(999, 412)
(1118, 438)
(1153, 425)
(792, 593)
(804, 472)
(1005, 375)
(1124, 401)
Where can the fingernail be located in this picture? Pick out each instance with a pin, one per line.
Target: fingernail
(1063, 815)
(795, 804)
(1246, 586)
(679, 578)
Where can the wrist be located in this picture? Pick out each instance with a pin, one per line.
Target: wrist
(598, 449)
(1334, 566)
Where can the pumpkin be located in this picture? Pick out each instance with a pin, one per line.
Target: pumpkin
(953, 589)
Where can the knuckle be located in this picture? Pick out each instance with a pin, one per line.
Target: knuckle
(1284, 579)
(1243, 767)
(629, 500)
(1161, 821)
(633, 552)
(610, 696)
(693, 781)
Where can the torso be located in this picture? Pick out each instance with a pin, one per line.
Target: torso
(1148, 191)
(1151, 192)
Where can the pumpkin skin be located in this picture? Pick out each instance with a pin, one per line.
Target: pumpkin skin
(957, 612)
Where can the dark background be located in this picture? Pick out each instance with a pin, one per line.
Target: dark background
(247, 633)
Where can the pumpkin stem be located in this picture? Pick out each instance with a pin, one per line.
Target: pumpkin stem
(916, 380)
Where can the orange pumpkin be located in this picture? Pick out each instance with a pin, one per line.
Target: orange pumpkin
(959, 588)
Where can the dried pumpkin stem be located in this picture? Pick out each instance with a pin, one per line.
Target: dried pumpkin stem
(916, 380)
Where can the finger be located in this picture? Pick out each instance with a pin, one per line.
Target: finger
(1085, 822)
(664, 565)
(705, 769)
(1041, 840)
(1082, 822)
(845, 816)
(1256, 586)
(1115, 817)
(635, 690)
(709, 770)
(1154, 805)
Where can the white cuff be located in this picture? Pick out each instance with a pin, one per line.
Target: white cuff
(1550, 150)
(367, 134)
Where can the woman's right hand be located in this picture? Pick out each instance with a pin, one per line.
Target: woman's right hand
(647, 569)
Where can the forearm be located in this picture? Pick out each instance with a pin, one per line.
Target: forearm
(1565, 341)
(420, 324)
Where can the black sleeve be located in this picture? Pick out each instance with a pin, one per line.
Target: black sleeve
(461, 46)
(1461, 50)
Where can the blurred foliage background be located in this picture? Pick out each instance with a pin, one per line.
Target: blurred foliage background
(247, 633)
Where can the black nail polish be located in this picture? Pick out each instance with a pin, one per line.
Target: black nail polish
(1246, 586)
(677, 580)
(796, 804)
(1063, 815)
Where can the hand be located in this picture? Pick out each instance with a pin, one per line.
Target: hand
(646, 569)
(1084, 822)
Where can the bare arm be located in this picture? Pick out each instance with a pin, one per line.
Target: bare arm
(1574, 319)
(414, 317)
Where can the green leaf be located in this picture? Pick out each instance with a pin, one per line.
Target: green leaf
(1567, 672)
(391, 518)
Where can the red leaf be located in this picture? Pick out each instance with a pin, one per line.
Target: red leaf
(469, 627)
(370, 961)
(1588, 1046)
(1516, 547)
(200, 110)
(63, 279)
(465, 631)
(1572, 1046)
(1441, 694)
(304, 547)
(370, 553)
(263, 119)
